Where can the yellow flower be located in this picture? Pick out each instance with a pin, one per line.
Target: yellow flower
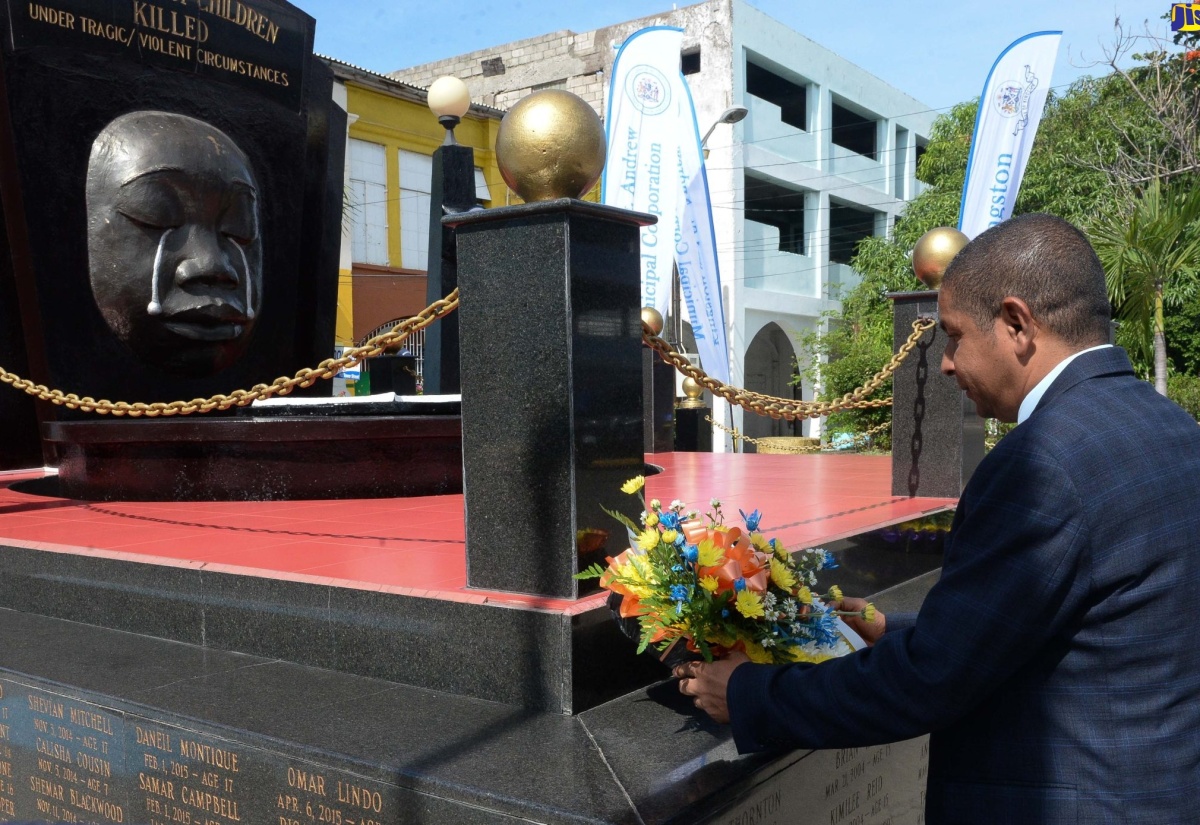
(780, 551)
(749, 604)
(709, 583)
(757, 653)
(652, 520)
(648, 539)
(835, 593)
(795, 654)
(869, 613)
(782, 577)
(804, 596)
(633, 485)
(709, 554)
(760, 543)
(669, 536)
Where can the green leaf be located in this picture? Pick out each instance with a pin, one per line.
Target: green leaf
(593, 572)
(621, 517)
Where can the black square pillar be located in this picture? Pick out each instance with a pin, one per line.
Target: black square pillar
(693, 433)
(658, 390)
(937, 438)
(453, 190)
(551, 359)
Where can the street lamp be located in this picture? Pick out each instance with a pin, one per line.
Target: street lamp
(452, 190)
(731, 115)
(449, 99)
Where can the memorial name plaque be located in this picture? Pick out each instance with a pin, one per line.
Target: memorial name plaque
(66, 759)
(879, 785)
(71, 761)
(8, 805)
(258, 46)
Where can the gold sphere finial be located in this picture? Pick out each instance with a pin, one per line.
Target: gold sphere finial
(652, 318)
(693, 391)
(550, 145)
(933, 253)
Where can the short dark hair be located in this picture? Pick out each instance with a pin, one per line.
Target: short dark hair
(1046, 262)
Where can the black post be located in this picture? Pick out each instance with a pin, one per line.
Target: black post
(658, 393)
(937, 438)
(452, 191)
(552, 389)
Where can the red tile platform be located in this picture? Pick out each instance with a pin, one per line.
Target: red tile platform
(416, 546)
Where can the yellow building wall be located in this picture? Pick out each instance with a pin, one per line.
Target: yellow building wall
(396, 124)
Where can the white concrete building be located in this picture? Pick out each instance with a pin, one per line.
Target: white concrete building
(826, 157)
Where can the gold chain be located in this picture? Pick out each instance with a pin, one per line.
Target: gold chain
(859, 438)
(754, 402)
(785, 407)
(240, 398)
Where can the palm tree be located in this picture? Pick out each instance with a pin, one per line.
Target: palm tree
(1151, 256)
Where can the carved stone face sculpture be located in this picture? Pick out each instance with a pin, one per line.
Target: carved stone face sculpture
(174, 250)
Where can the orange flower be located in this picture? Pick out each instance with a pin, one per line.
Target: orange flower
(742, 560)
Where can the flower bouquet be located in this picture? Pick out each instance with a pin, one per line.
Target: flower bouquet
(718, 588)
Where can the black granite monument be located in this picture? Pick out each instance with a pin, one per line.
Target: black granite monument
(171, 183)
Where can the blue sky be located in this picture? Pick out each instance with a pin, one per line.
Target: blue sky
(936, 50)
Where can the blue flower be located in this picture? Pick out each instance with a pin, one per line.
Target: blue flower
(830, 561)
(676, 568)
(691, 553)
(680, 540)
(739, 584)
(724, 614)
(824, 629)
(751, 520)
(679, 593)
(669, 520)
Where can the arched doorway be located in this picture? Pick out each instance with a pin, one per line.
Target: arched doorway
(769, 368)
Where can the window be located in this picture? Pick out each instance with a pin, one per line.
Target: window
(416, 182)
(416, 176)
(367, 201)
(550, 84)
(854, 131)
(776, 206)
(483, 195)
(847, 227)
(791, 98)
(689, 62)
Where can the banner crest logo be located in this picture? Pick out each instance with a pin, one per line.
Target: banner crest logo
(648, 90)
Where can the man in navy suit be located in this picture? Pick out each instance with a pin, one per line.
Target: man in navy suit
(1052, 663)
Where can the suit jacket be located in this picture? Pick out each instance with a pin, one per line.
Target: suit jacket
(1055, 662)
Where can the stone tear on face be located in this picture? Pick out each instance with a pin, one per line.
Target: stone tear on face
(174, 241)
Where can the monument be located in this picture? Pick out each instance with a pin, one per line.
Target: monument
(135, 689)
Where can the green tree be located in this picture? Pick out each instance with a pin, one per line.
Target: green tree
(1150, 248)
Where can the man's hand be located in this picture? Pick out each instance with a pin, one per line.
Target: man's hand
(707, 681)
(870, 631)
